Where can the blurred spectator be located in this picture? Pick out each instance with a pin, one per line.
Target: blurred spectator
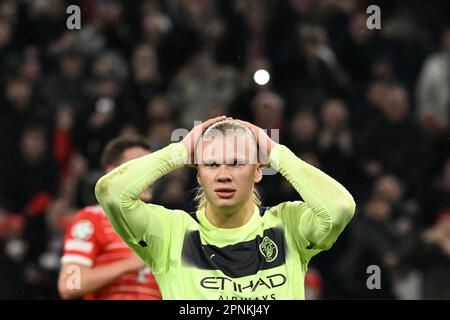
(313, 285)
(335, 140)
(33, 178)
(17, 111)
(12, 252)
(256, 18)
(109, 21)
(437, 198)
(406, 47)
(48, 21)
(302, 136)
(32, 183)
(315, 74)
(159, 134)
(30, 67)
(159, 109)
(433, 88)
(199, 85)
(382, 69)
(373, 242)
(404, 210)
(171, 190)
(74, 184)
(360, 47)
(6, 47)
(155, 23)
(109, 65)
(394, 139)
(375, 96)
(430, 253)
(68, 84)
(100, 122)
(216, 110)
(62, 135)
(268, 108)
(146, 78)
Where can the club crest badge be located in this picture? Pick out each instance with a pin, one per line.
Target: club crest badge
(268, 249)
(82, 230)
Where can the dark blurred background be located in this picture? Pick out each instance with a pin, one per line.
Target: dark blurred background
(369, 107)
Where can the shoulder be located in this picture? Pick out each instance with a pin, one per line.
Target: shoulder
(93, 214)
(285, 213)
(93, 210)
(90, 212)
(286, 207)
(164, 214)
(435, 62)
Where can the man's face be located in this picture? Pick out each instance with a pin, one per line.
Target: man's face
(228, 170)
(33, 146)
(397, 105)
(131, 154)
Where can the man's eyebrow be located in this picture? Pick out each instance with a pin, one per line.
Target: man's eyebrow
(236, 159)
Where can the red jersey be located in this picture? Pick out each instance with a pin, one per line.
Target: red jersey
(91, 241)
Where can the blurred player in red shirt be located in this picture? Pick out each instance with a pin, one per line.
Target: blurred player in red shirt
(97, 264)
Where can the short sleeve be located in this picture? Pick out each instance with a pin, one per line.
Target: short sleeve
(82, 240)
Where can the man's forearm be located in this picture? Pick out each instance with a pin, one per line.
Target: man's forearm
(328, 199)
(91, 279)
(118, 191)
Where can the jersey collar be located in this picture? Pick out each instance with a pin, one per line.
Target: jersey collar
(228, 235)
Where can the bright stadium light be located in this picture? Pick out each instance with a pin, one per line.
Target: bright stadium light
(261, 77)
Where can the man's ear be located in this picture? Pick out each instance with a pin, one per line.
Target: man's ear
(258, 174)
(199, 181)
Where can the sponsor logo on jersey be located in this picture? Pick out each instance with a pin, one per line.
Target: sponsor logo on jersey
(268, 249)
(228, 284)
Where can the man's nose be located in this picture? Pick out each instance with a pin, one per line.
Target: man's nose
(223, 174)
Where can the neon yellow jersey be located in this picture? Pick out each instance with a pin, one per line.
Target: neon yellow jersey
(264, 259)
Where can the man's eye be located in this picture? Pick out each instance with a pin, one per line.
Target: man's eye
(211, 164)
(237, 163)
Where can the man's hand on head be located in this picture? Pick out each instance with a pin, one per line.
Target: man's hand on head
(265, 143)
(192, 138)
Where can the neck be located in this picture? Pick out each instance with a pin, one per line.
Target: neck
(230, 217)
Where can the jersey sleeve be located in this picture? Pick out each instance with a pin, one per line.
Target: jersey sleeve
(147, 228)
(316, 222)
(82, 241)
(163, 237)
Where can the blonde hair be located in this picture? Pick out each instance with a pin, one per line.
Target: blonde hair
(224, 127)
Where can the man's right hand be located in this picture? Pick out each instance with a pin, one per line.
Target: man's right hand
(191, 139)
(132, 264)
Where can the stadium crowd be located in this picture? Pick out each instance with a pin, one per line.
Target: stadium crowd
(369, 107)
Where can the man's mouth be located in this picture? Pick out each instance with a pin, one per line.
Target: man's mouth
(225, 193)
